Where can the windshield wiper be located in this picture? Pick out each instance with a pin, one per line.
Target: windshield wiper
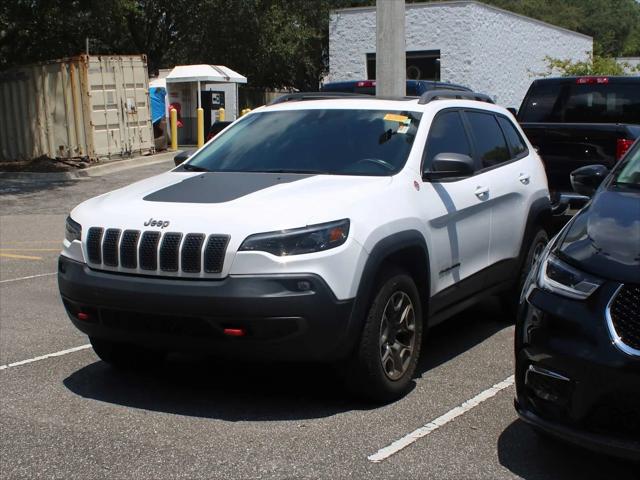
(626, 185)
(287, 170)
(194, 168)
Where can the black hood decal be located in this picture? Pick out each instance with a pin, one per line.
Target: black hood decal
(219, 187)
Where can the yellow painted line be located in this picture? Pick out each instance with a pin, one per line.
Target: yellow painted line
(21, 257)
(30, 249)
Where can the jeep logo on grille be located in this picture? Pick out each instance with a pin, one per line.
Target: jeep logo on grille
(156, 223)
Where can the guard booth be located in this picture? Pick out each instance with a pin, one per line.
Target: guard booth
(209, 87)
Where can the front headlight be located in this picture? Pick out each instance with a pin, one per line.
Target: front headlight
(559, 277)
(73, 230)
(314, 238)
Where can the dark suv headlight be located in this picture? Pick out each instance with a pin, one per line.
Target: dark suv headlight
(73, 230)
(314, 238)
(559, 277)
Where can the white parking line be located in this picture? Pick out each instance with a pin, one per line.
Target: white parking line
(29, 277)
(44, 357)
(442, 420)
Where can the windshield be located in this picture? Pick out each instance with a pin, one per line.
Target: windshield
(629, 173)
(337, 142)
(582, 103)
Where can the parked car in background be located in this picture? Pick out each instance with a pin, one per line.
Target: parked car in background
(415, 88)
(577, 121)
(278, 240)
(577, 342)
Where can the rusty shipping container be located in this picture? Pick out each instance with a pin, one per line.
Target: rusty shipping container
(82, 107)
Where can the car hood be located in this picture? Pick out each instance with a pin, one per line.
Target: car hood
(604, 237)
(229, 202)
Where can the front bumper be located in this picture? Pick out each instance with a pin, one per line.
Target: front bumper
(285, 317)
(571, 380)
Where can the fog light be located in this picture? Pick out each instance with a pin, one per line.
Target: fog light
(547, 385)
(304, 286)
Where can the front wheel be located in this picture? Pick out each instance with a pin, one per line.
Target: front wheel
(382, 367)
(125, 356)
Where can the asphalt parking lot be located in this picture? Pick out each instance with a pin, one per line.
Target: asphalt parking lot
(65, 414)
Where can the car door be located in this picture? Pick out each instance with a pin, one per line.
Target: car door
(456, 213)
(503, 155)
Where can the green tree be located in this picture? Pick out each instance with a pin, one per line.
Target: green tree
(594, 65)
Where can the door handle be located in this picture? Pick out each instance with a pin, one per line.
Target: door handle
(524, 178)
(481, 192)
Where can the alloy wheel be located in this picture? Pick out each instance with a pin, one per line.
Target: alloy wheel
(397, 335)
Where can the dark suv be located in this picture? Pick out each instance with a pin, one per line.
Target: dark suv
(578, 330)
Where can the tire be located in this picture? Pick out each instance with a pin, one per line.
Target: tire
(124, 356)
(382, 367)
(511, 299)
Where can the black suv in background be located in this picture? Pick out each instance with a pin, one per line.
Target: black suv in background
(577, 121)
(577, 342)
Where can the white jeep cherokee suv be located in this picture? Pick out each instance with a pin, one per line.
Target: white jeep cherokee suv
(315, 228)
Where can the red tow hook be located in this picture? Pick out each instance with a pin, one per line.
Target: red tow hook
(235, 332)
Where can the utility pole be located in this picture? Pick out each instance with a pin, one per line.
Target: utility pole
(391, 75)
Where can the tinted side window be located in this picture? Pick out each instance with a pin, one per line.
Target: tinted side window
(542, 103)
(447, 135)
(516, 144)
(490, 143)
(608, 103)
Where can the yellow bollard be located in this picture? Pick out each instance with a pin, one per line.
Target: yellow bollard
(221, 115)
(200, 127)
(173, 117)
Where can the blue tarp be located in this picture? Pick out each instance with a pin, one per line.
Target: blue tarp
(157, 96)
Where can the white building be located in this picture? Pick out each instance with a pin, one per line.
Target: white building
(485, 48)
(633, 62)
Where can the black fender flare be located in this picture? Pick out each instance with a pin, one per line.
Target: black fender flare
(379, 254)
(540, 216)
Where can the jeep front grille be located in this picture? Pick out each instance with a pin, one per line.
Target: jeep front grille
(149, 250)
(192, 253)
(110, 247)
(623, 315)
(214, 253)
(94, 242)
(129, 249)
(169, 249)
(153, 252)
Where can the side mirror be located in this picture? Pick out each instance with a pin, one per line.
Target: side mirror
(586, 180)
(182, 156)
(513, 110)
(450, 165)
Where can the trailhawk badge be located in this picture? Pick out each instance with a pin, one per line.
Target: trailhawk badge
(156, 223)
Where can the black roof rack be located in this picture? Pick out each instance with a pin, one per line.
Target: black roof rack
(453, 94)
(298, 96)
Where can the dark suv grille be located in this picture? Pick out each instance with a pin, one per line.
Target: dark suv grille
(625, 316)
(154, 252)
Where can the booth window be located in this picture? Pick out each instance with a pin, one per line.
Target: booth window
(421, 65)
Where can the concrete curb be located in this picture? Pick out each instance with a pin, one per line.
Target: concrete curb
(97, 171)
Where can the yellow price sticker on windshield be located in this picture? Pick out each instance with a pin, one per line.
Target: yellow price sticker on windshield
(393, 117)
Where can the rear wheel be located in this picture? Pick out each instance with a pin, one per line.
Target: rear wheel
(511, 299)
(125, 356)
(382, 367)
